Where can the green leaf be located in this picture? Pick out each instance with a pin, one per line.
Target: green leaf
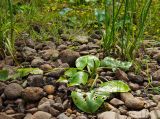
(62, 79)
(88, 101)
(89, 60)
(70, 72)
(112, 63)
(3, 75)
(78, 78)
(22, 72)
(113, 87)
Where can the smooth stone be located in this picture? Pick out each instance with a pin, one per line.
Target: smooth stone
(155, 114)
(4, 116)
(32, 93)
(41, 115)
(143, 114)
(13, 91)
(37, 61)
(156, 75)
(62, 116)
(35, 80)
(111, 115)
(121, 75)
(131, 101)
(69, 56)
(116, 102)
(149, 104)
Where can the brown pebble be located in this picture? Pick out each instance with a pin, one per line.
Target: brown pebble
(49, 89)
(69, 111)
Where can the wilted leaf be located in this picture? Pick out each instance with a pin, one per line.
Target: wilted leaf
(3, 75)
(78, 78)
(88, 101)
(112, 63)
(113, 87)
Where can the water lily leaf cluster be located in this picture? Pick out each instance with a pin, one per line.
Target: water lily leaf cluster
(86, 69)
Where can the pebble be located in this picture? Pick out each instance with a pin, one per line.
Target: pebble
(2, 87)
(13, 91)
(35, 80)
(143, 114)
(156, 75)
(131, 101)
(121, 75)
(49, 89)
(155, 114)
(111, 115)
(116, 102)
(69, 56)
(41, 115)
(37, 61)
(135, 78)
(133, 86)
(46, 67)
(32, 93)
(62, 116)
(4, 116)
(149, 104)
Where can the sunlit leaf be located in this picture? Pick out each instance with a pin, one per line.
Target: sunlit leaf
(112, 63)
(70, 72)
(89, 60)
(88, 101)
(62, 79)
(22, 72)
(113, 87)
(78, 78)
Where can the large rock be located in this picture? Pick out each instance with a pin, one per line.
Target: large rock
(155, 114)
(69, 56)
(32, 93)
(111, 115)
(35, 80)
(131, 101)
(13, 91)
(143, 114)
(156, 75)
(42, 115)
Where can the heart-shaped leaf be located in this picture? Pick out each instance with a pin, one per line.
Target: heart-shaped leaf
(113, 87)
(78, 78)
(89, 60)
(88, 101)
(3, 75)
(112, 63)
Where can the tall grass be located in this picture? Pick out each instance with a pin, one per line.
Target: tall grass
(7, 27)
(122, 29)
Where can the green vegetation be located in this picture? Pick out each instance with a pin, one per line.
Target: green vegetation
(86, 74)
